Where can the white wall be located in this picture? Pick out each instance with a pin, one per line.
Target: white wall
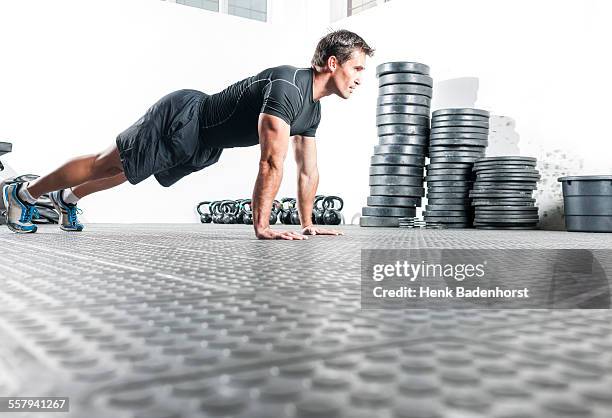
(74, 74)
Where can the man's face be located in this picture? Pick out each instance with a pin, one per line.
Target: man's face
(347, 77)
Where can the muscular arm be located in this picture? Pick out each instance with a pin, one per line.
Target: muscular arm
(305, 150)
(274, 141)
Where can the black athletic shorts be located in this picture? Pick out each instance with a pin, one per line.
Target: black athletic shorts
(166, 141)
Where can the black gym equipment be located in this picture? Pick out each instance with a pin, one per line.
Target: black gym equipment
(396, 166)
(502, 193)
(459, 137)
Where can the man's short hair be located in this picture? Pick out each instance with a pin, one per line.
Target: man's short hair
(341, 44)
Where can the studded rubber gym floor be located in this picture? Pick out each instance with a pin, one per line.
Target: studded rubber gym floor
(206, 321)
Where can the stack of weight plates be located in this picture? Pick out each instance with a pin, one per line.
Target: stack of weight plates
(402, 120)
(502, 194)
(458, 138)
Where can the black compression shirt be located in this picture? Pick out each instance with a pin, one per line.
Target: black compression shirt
(229, 118)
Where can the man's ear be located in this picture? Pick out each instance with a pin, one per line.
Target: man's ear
(332, 63)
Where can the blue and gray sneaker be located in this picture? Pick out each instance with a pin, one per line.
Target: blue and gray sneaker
(18, 213)
(68, 213)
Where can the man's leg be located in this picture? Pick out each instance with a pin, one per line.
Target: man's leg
(78, 171)
(93, 186)
(20, 198)
(65, 201)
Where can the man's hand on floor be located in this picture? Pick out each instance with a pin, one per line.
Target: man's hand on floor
(315, 230)
(268, 233)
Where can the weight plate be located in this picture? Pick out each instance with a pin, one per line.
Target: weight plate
(420, 140)
(445, 166)
(501, 220)
(503, 202)
(459, 130)
(396, 170)
(504, 188)
(394, 201)
(445, 196)
(462, 208)
(510, 208)
(525, 171)
(379, 221)
(508, 179)
(388, 211)
(465, 173)
(395, 181)
(447, 118)
(402, 129)
(459, 142)
(451, 178)
(453, 225)
(508, 163)
(509, 173)
(502, 217)
(502, 195)
(457, 148)
(461, 111)
(470, 154)
(402, 110)
(405, 99)
(459, 136)
(397, 159)
(448, 202)
(461, 213)
(508, 158)
(397, 191)
(402, 119)
(511, 214)
(505, 227)
(404, 78)
(442, 160)
(399, 149)
(458, 192)
(456, 184)
(401, 67)
(459, 124)
(509, 221)
(405, 89)
(451, 219)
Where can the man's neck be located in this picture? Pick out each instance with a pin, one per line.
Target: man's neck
(320, 80)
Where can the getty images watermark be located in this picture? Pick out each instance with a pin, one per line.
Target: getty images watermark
(469, 278)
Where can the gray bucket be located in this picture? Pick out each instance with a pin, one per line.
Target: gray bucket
(587, 202)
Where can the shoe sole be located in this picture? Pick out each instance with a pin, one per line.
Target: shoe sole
(59, 210)
(10, 225)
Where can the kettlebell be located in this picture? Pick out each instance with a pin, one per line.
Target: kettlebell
(332, 216)
(276, 207)
(317, 210)
(286, 205)
(216, 214)
(229, 210)
(247, 217)
(295, 214)
(205, 217)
